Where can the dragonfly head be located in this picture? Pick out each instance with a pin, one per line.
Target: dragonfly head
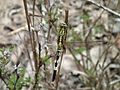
(63, 24)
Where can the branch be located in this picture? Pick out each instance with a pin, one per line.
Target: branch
(105, 8)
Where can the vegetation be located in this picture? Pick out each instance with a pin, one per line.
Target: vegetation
(52, 34)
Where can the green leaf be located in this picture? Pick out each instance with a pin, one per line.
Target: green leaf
(46, 60)
(85, 17)
(11, 81)
(80, 50)
(98, 29)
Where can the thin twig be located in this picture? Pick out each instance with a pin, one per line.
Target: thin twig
(105, 8)
(3, 79)
(79, 66)
(58, 74)
(17, 78)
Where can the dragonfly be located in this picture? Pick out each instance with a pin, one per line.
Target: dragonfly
(61, 40)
